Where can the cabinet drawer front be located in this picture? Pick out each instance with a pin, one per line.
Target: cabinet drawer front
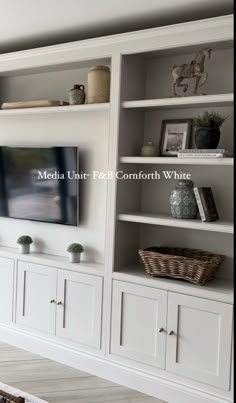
(7, 273)
(137, 314)
(79, 315)
(200, 347)
(36, 288)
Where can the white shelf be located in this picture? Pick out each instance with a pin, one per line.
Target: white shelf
(177, 161)
(181, 102)
(218, 289)
(168, 221)
(55, 109)
(60, 262)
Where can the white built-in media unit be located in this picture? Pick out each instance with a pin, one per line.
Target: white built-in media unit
(167, 338)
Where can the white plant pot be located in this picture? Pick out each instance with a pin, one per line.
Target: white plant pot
(25, 249)
(74, 257)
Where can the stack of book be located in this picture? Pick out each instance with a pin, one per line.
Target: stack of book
(206, 204)
(205, 153)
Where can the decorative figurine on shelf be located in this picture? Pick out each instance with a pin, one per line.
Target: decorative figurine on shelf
(77, 95)
(149, 150)
(75, 250)
(193, 70)
(183, 202)
(25, 241)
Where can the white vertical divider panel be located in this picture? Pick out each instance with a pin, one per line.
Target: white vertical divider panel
(116, 60)
(131, 132)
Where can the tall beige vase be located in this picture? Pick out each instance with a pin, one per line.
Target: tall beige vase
(99, 78)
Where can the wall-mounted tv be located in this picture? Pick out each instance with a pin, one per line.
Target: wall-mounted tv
(37, 184)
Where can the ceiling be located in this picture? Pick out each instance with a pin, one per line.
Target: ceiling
(26, 24)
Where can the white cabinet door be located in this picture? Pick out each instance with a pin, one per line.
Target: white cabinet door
(139, 323)
(79, 310)
(200, 345)
(36, 297)
(6, 290)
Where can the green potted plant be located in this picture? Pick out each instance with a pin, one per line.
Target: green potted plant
(25, 241)
(75, 250)
(207, 132)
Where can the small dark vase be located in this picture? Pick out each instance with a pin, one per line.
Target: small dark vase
(207, 137)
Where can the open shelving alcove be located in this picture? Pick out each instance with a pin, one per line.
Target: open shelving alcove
(48, 82)
(84, 126)
(143, 211)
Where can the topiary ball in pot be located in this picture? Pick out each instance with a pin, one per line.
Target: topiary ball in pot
(25, 241)
(75, 250)
(207, 132)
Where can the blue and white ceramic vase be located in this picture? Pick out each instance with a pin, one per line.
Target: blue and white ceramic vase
(183, 203)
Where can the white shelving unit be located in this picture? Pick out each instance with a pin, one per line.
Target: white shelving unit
(220, 289)
(165, 220)
(135, 324)
(180, 103)
(55, 109)
(52, 260)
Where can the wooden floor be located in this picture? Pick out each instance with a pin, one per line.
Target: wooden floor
(57, 383)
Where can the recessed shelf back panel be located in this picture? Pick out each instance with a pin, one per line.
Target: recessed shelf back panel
(153, 124)
(157, 72)
(74, 65)
(140, 126)
(145, 235)
(151, 196)
(52, 85)
(155, 193)
(214, 242)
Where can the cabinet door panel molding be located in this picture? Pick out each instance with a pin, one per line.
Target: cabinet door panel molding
(79, 308)
(36, 289)
(139, 323)
(200, 345)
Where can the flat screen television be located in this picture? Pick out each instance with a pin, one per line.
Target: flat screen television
(38, 184)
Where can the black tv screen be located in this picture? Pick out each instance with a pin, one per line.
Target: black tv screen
(39, 184)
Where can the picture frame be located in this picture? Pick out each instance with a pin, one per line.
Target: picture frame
(175, 136)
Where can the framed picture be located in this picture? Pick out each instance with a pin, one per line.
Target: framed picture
(175, 135)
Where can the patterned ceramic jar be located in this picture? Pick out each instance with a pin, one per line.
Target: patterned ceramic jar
(182, 201)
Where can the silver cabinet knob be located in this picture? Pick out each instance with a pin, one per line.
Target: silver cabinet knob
(52, 301)
(171, 332)
(59, 303)
(161, 329)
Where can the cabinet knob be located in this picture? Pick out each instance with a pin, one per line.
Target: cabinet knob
(171, 332)
(52, 301)
(161, 329)
(59, 303)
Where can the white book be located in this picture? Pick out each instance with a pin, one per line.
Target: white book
(189, 155)
(203, 151)
(199, 204)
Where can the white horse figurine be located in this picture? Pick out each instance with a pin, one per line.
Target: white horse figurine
(193, 70)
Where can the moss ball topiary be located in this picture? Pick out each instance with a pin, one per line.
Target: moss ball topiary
(75, 248)
(24, 240)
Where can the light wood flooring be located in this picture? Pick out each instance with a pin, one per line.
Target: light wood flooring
(57, 383)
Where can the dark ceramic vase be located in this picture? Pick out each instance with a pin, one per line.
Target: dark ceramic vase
(207, 137)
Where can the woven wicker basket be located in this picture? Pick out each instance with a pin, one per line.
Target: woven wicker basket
(192, 265)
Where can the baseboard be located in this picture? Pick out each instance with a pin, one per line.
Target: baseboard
(106, 368)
